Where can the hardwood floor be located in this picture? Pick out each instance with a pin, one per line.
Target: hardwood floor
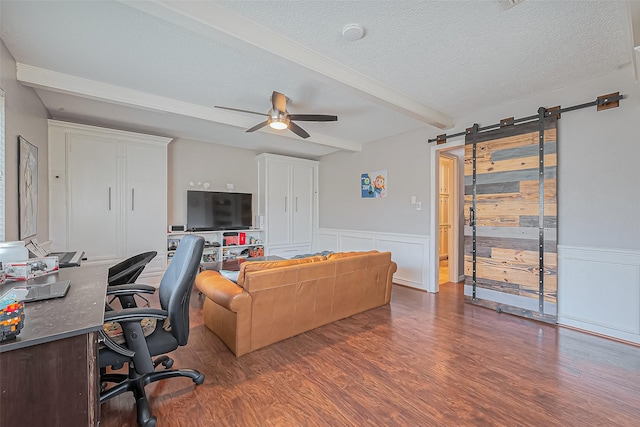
(424, 360)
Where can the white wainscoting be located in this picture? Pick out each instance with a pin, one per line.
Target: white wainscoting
(599, 291)
(409, 251)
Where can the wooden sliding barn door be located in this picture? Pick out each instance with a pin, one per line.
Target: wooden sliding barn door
(510, 230)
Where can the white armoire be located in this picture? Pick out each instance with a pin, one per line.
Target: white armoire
(288, 203)
(107, 193)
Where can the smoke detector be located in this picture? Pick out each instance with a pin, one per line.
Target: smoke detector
(353, 32)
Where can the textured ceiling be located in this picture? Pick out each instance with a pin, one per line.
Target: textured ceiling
(454, 57)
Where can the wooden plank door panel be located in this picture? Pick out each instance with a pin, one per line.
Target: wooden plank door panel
(507, 202)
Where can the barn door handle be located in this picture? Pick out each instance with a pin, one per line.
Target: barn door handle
(472, 217)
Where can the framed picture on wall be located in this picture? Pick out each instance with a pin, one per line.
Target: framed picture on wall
(27, 188)
(374, 184)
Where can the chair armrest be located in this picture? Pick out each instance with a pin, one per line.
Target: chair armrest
(111, 344)
(134, 314)
(130, 319)
(130, 289)
(221, 290)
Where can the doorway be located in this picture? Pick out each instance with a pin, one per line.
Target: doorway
(446, 196)
(446, 259)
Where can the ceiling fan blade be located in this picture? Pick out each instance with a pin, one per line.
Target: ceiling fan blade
(242, 111)
(258, 126)
(298, 130)
(313, 117)
(279, 101)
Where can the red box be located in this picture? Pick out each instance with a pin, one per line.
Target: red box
(230, 239)
(242, 238)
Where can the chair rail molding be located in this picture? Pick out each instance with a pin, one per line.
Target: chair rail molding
(409, 251)
(599, 290)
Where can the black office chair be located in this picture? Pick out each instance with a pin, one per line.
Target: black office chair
(138, 350)
(127, 272)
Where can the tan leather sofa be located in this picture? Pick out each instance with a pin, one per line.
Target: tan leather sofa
(276, 300)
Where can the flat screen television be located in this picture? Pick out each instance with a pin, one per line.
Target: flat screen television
(212, 210)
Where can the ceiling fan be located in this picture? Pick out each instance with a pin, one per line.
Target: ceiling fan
(279, 118)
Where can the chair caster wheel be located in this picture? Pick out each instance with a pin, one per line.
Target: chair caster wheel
(151, 422)
(199, 380)
(167, 363)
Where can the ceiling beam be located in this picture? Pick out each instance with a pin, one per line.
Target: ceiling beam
(90, 89)
(210, 19)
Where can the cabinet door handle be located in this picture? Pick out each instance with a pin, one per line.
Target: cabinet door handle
(132, 198)
(109, 198)
(285, 203)
(296, 203)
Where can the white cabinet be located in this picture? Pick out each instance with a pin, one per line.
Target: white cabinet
(145, 198)
(107, 193)
(92, 199)
(302, 202)
(288, 200)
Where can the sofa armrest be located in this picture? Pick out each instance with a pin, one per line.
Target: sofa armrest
(222, 291)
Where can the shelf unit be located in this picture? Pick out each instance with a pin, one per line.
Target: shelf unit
(216, 249)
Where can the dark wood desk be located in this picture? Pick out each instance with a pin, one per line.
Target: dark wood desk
(48, 374)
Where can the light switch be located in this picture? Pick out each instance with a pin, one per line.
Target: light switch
(413, 200)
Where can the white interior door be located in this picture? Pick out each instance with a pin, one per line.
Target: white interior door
(94, 197)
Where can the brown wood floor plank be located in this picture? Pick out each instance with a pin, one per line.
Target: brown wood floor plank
(424, 360)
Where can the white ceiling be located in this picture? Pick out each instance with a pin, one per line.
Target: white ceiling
(160, 67)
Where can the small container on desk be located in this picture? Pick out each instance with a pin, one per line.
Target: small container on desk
(11, 316)
(33, 267)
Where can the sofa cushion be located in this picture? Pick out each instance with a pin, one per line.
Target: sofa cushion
(247, 267)
(231, 275)
(323, 253)
(340, 255)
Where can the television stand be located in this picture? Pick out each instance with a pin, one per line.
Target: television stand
(222, 245)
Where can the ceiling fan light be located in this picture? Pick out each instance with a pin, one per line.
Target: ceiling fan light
(278, 123)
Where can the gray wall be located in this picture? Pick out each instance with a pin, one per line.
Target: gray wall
(406, 160)
(598, 154)
(207, 162)
(26, 116)
(598, 179)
